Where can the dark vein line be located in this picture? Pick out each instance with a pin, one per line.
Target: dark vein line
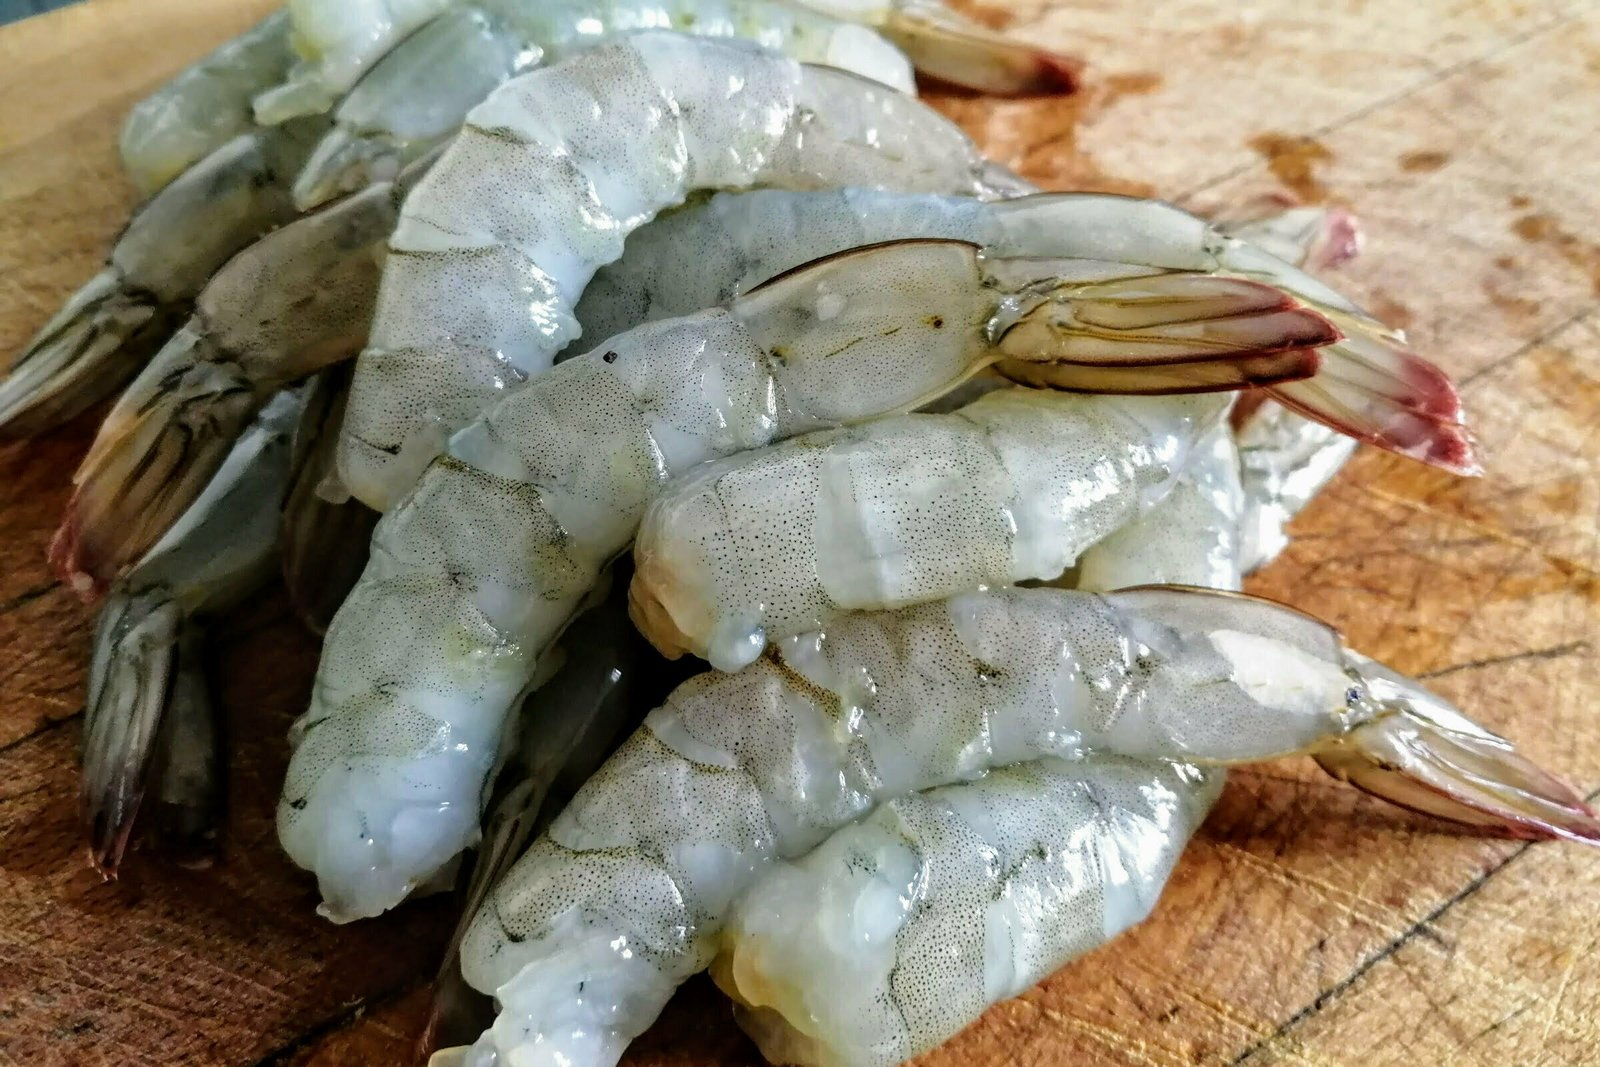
(335, 1023)
(1554, 652)
(1421, 928)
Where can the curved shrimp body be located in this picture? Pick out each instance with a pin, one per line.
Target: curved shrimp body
(290, 304)
(205, 106)
(172, 246)
(626, 895)
(1285, 461)
(148, 643)
(421, 91)
(483, 564)
(900, 511)
(1191, 537)
(1371, 386)
(901, 929)
(549, 176)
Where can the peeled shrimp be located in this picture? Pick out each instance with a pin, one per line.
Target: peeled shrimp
(421, 92)
(901, 929)
(339, 40)
(1371, 387)
(150, 635)
(205, 105)
(484, 562)
(292, 303)
(549, 176)
(174, 243)
(627, 893)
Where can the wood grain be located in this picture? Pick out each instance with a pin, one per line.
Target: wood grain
(1307, 925)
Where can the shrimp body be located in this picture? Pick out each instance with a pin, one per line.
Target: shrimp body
(204, 106)
(546, 180)
(1285, 460)
(421, 91)
(627, 893)
(901, 929)
(483, 564)
(1012, 487)
(1371, 386)
(1191, 537)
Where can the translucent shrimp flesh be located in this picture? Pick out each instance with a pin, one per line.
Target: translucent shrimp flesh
(289, 305)
(148, 644)
(1190, 537)
(483, 564)
(421, 92)
(546, 180)
(1371, 387)
(901, 929)
(338, 41)
(205, 105)
(108, 329)
(627, 893)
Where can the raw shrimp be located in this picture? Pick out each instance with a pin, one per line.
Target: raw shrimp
(174, 243)
(421, 91)
(1285, 461)
(294, 302)
(339, 40)
(1372, 387)
(484, 562)
(549, 176)
(626, 894)
(901, 929)
(1191, 537)
(1013, 487)
(150, 638)
(205, 106)
(605, 679)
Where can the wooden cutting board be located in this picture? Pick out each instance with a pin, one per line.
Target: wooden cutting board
(1307, 924)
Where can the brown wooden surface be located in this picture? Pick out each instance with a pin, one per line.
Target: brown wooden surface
(1307, 925)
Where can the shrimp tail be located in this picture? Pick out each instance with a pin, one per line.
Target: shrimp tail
(1150, 332)
(131, 680)
(93, 345)
(1420, 753)
(343, 162)
(187, 808)
(963, 52)
(1312, 238)
(156, 451)
(1374, 388)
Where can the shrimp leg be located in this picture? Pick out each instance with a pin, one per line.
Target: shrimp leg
(626, 895)
(205, 105)
(146, 656)
(174, 243)
(548, 177)
(294, 302)
(901, 929)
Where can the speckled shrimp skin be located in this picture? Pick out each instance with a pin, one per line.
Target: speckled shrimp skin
(421, 91)
(626, 895)
(205, 106)
(480, 568)
(1012, 487)
(1192, 537)
(900, 930)
(549, 176)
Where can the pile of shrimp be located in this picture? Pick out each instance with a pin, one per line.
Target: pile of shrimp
(439, 308)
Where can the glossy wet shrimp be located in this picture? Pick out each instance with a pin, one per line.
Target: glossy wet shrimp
(628, 892)
(495, 245)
